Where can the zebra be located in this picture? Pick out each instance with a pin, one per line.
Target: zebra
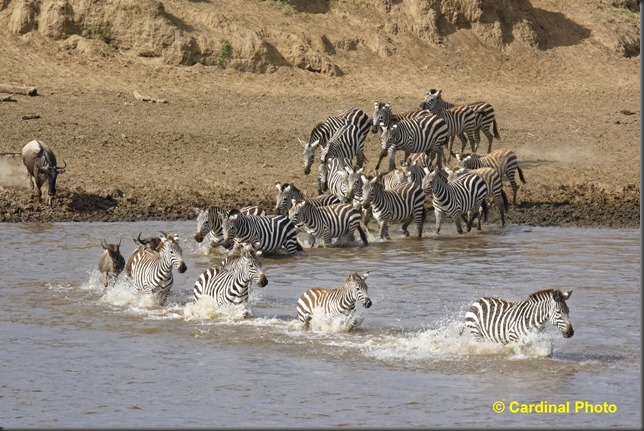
(383, 117)
(152, 270)
(505, 162)
(347, 143)
(287, 192)
(328, 222)
(460, 120)
(405, 203)
(209, 222)
(493, 183)
(229, 284)
(337, 302)
(427, 135)
(324, 131)
(464, 195)
(272, 232)
(412, 168)
(335, 175)
(486, 119)
(504, 322)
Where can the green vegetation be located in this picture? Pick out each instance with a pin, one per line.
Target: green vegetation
(225, 52)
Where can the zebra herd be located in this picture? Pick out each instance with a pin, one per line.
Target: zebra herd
(349, 197)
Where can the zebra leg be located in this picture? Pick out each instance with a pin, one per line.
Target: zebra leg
(420, 221)
(384, 230)
(439, 219)
(382, 155)
(363, 235)
(405, 225)
(457, 220)
(488, 135)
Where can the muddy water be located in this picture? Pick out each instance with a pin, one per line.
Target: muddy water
(76, 354)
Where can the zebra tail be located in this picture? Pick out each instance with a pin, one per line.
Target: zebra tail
(363, 235)
(520, 174)
(495, 130)
(485, 208)
(504, 196)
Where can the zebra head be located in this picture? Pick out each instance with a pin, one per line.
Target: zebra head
(207, 220)
(295, 210)
(249, 254)
(558, 312)
(389, 136)
(355, 283)
(431, 100)
(283, 198)
(309, 153)
(381, 115)
(171, 251)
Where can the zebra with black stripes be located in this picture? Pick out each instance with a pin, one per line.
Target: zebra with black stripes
(333, 221)
(229, 284)
(347, 143)
(271, 232)
(151, 270)
(404, 204)
(209, 224)
(461, 120)
(485, 120)
(415, 135)
(323, 132)
(494, 186)
(383, 117)
(413, 168)
(335, 303)
(505, 322)
(335, 176)
(503, 160)
(288, 191)
(465, 195)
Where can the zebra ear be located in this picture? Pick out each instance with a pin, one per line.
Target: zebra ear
(234, 214)
(196, 210)
(567, 295)
(302, 142)
(163, 235)
(376, 104)
(278, 186)
(365, 275)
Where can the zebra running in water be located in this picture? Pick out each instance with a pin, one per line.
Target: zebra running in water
(383, 117)
(485, 120)
(271, 232)
(328, 222)
(287, 192)
(325, 130)
(415, 135)
(209, 222)
(405, 203)
(460, 120)
(152, 269)
(229, 284)
(464, 195)
(504, 322)
(493, 183)
(335, 303)
(503, 160)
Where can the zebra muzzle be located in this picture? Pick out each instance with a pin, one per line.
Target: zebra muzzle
(367, 303)
(182, 268)
(263, 281)
(569, 333)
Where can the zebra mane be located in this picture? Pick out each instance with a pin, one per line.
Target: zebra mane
(551, 293)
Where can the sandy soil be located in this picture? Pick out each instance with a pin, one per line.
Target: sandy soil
(570, 112)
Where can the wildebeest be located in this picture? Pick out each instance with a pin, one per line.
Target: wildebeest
(111, 262)
(41, 165)
(151, 243)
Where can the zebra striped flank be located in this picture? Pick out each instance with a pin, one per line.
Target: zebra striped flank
(272, 232)
(494, 186)
(404, 204)
(463, 196)
(503, 160)
(229, 284)
(328, 222)
(335, 303)
(209, 222)
(505, 322)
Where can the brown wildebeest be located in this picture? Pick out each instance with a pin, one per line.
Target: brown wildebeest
(41, 165)
(111, 262)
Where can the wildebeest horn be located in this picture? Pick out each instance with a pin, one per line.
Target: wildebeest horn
(139, 240)
(61, 170)
(103, 244)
